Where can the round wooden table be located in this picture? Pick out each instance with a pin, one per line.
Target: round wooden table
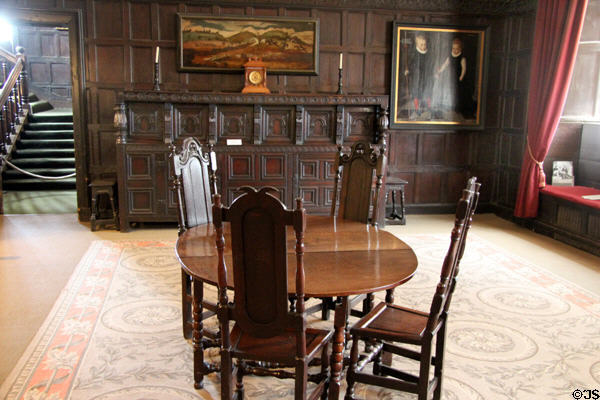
(342, 258)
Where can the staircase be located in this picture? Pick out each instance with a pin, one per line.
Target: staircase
(45, 148)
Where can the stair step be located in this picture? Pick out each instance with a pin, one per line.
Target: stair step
(46, 162)
(45, 144)
(46, 147)
(39, 106)
(52, 126)
(51, 117)
(47, 134)
(43, 153)
(11, 173)
(39, 184)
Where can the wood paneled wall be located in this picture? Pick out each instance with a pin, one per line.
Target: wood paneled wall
(499, 150)
(47, 63)
(120, 37)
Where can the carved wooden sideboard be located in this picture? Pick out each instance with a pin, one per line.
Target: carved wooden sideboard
(285, 141)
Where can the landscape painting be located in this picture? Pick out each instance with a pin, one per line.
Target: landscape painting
(214, 43)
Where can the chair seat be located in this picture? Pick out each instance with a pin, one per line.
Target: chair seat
(394, 323)
(281, 348)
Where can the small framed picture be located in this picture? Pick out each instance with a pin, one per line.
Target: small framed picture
(562, 173)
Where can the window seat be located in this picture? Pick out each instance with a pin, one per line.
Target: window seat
(566, 216)
(574, 194)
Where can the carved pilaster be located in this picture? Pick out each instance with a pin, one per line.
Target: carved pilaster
(339, 125)
(258, 122)
(383, 123)
(212, 123)
(299, 124)
(168, 132)
(120, 122)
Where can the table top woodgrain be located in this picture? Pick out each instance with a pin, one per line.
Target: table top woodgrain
(341, 258)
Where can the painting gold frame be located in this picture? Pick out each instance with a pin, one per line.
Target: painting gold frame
(225, 43)
(438, 76)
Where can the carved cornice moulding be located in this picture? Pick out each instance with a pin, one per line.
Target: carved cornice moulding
(471, 7)
(178, 97)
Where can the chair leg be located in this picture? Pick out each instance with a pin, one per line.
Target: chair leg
(350, 379)
(423, 384)
(439, 361)
(368, 303)
(377, 363)
(226, 389)
(199, 367)
(325, 311)
(325, 371)
(301, 380)
(389, 296)
(239, 375)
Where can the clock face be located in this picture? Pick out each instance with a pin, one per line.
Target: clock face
(255, 77)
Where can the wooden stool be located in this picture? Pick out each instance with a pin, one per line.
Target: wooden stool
(107, 187)
(392, 186)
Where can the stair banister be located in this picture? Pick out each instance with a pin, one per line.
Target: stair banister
(14, 88)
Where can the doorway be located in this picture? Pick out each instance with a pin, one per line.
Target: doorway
(45, 155)
(64, 82)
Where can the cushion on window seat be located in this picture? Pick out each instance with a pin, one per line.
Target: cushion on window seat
(573, 193)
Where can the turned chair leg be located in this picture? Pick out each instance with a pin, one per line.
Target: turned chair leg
(239, 385)
(352, 369)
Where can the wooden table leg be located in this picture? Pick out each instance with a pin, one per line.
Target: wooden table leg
(197, 327)
(337, 353)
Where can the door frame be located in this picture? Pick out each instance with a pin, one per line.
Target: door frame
(73, 20)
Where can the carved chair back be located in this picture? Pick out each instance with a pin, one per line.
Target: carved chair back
(258, 223)
(365, 163)
(464, 216)
(193, 182)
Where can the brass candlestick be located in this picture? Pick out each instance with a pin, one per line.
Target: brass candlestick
(340, 91)
(156, 76)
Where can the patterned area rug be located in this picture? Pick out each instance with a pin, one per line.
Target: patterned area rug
(515, 331)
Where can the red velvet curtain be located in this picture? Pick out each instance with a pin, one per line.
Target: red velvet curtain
(557, 29)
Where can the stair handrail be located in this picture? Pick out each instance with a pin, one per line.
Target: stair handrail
(8, 56)
(13, 99)
(11, 81)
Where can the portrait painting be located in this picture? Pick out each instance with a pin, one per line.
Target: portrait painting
(216, 43)
(438, 76)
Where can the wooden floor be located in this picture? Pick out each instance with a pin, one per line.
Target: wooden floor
(39, 252)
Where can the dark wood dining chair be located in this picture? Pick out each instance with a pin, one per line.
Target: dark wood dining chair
(265, 330)
(193, 182)
(365, 164)
(387, 327)
(362, 172)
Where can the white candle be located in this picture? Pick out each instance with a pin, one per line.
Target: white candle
(213, 160)
(341, 56)
(157, 51)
